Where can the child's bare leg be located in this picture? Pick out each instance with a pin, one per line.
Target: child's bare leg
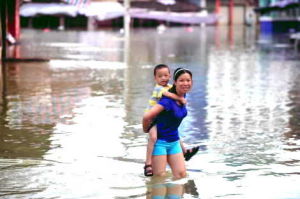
(148, 171)
(151, 141)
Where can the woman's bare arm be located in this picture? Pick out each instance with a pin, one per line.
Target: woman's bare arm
(150, 115)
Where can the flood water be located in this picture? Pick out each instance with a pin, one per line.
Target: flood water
(70, 128)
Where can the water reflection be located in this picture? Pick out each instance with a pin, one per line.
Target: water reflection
(168, 190)
(158, 188)
(70, 128)
(293, 134)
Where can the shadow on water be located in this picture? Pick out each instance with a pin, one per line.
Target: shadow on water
(70, 128)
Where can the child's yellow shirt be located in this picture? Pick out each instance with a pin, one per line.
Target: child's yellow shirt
(157, 94)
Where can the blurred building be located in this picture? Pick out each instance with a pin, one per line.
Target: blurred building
(281, 16)
(109, 13)
(93, 14)
(235, 12)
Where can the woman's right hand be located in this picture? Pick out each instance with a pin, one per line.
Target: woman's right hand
(182, 100)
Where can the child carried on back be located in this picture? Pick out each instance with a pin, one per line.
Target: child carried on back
(162, 76)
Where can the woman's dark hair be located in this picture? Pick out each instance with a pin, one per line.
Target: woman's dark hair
(177, 73)
(159, 66)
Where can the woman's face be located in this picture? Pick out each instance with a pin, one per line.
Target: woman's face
(183, 83)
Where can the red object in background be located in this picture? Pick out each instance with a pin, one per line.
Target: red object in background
(217, 9)
(230, 17)
(218, 6)
(13, 18)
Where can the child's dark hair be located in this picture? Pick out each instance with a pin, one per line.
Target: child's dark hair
(159, 66)
(177, 73)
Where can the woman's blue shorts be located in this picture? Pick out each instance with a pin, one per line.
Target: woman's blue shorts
(169, 196)
(162, 147)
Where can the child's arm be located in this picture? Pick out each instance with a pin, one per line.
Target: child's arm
(173, 96)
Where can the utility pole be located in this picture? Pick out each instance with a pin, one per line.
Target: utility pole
(203, 4)
(126, 14)
(3, 28)
(203, 8)
(126, 27)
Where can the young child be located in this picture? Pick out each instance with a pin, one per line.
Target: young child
(162, 77)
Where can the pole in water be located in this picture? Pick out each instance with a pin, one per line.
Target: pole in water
(3, 28)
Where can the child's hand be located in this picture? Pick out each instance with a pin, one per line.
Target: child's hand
(182, 100)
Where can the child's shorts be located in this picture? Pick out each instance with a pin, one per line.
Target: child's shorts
(162, 147)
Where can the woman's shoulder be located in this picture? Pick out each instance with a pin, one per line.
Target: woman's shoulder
(167, 100)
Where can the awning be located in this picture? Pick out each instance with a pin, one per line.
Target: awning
(79, 3)
(100, 10)
(278, 5)
(110, 10)
(284, 3)
(34, 9)
(176, 17)
(103, 10)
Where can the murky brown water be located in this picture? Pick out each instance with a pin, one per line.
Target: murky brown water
(70, 128)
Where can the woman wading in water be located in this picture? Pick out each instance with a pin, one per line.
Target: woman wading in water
(168, 114)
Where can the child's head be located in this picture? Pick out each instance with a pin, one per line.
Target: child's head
(162, 74)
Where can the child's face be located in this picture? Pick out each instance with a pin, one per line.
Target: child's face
(162, 76)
